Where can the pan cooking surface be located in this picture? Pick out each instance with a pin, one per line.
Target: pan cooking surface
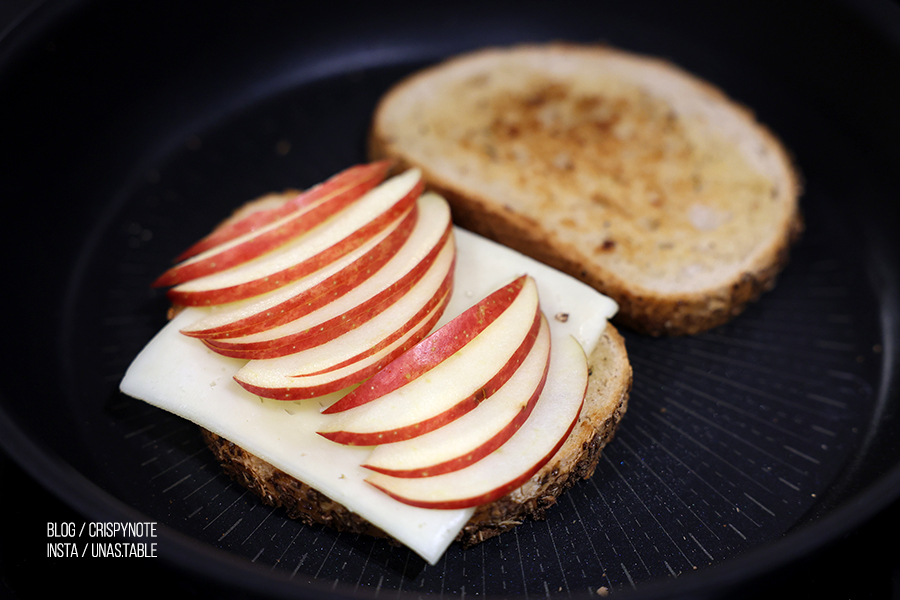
(732, 437)
(743, 448)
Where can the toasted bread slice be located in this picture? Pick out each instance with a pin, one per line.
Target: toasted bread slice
(609, 387)
(621, 170)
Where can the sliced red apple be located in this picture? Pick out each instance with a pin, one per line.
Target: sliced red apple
(455, 385)
(361, 178)
(440, 345)
(252, 216)
(477, 433)
(524, 454)
(365, 300)
(300, 297)
(287, 381)
(326, 202)
(363, 350)
(430, 313)
(308, 253)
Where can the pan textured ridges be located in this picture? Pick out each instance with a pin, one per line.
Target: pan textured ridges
(731, 437)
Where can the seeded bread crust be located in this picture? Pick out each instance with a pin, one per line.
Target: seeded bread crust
(606, 401)
(622, 170)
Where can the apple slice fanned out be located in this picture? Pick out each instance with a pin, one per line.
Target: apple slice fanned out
(477, 433)
(524, 454)
(445, 342)
(446, 375)
(366, 298)
(303, 214)
(286, 379)
(313, 249)
(300, 297)
(358, 178)
(357, 354)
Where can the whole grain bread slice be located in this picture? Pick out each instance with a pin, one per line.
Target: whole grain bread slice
(606, 401)
(622, 170)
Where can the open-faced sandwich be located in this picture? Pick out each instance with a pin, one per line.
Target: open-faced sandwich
(352, 356)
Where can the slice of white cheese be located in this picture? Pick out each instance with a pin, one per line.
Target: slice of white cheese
(180, 375)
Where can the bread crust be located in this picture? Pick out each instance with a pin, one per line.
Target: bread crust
(516, 223)
(606, 401)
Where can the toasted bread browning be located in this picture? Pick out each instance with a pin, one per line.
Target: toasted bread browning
(623, 171)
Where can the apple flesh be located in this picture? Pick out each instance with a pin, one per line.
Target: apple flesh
(305, 213)
(317, 248)
(341, 287)
(300, 297)
(365, 299)
(476, 434)
(289, 381)
(442, 344)
(246, 218)
(365, 176)
(459, 379)
(359, 352)
(524, 454)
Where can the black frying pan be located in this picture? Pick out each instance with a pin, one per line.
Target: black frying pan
(130, 128)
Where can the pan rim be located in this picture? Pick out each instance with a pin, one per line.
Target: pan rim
(192, 557)
(54, 474)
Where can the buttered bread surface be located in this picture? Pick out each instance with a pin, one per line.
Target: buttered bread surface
(624, 171)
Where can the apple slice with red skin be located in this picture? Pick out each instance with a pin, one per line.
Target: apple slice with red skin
(440, 345)
(430, 313)
(286, 383)
(322, 203)
(364, 301)
(441, 410)
(250, 217)
(476, 434)
(524, 454)
(361, 177)
(360, 352)
(454, 386)
(255, 279)
(311, 252)
(301, 297)
(290, 338)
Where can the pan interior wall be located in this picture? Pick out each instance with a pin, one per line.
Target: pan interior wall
(732, 436)
(733, 439)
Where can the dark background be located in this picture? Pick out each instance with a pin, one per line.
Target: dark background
(864, 564)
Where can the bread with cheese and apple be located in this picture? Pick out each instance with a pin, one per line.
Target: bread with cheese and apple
(605, 404)
(438, 328)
